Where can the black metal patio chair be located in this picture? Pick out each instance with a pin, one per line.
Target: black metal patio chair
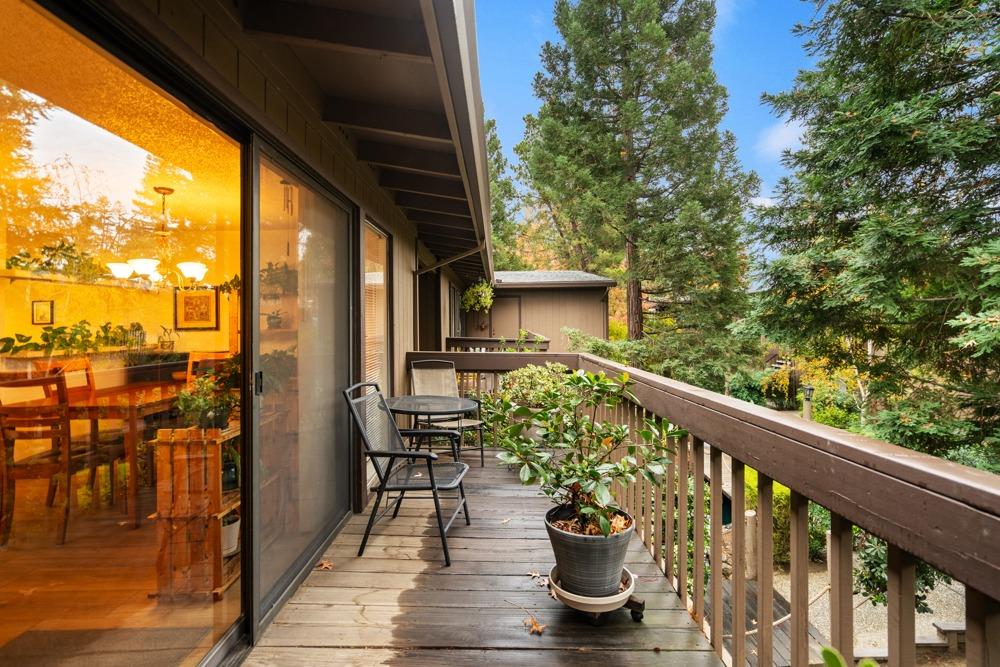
(436, 377)
(400, 469)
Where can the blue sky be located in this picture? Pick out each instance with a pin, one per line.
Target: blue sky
(754, 52)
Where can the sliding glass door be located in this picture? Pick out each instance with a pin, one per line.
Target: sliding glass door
(304, 334)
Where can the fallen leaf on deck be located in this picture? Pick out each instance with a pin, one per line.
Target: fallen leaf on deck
(324, 565)
(534, 574)
(543, 582)
(534, 627)
(505, 522)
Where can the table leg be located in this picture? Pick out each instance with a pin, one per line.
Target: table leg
(132, 456)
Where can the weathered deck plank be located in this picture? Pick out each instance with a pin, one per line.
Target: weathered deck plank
(399, 605)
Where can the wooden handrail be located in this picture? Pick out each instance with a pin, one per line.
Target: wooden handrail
(532, 342)
(942, 512)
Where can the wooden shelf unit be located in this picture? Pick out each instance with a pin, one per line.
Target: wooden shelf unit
(190, 506)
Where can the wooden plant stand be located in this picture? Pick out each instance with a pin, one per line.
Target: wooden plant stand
(190, 506)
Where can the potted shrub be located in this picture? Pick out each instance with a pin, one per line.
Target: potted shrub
(478, 298)
(577, 460)
(206, 404)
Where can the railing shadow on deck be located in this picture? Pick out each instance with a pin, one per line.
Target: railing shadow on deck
(924, 507)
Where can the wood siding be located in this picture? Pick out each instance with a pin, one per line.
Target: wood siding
(547, 311)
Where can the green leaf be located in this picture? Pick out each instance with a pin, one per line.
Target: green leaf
(525, 473)
(832, 657)
(605, 525)
(602, 495)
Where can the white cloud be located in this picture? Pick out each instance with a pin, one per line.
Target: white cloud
(779, 137)
(766, 202)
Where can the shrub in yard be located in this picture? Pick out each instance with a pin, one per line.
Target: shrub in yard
(530, 384)
(819, 520)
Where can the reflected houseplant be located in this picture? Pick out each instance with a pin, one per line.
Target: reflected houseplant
(578, 460)
(206, 404)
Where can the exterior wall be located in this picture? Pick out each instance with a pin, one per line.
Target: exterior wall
(266, 82)
(547, 311)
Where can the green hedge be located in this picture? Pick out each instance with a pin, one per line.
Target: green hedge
(819, 520)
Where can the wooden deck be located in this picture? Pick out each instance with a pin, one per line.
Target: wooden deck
(399, 605)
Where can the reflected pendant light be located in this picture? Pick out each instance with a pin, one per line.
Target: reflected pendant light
(120, 270)
(194, 271)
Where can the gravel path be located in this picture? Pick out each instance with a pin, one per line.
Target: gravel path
(947, 601)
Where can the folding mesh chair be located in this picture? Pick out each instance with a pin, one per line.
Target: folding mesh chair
(400, 469)
(436, 377)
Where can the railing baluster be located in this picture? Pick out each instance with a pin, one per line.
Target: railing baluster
(668, 564)
(715, 547)
(739, 653)
(682, 518)
(765, 571)
(799, 552)
(901, 579)
(841, 586)
(658, 524)
(982, 629)
(699, 529)
(651, 521)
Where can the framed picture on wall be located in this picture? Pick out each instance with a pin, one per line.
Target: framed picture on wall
(196, 309)
(42, 312)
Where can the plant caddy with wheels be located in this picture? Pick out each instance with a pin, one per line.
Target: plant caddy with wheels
(577, 459)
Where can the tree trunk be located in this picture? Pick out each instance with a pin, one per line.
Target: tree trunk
(633, 293)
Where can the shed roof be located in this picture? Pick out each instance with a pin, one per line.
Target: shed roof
(550, 279)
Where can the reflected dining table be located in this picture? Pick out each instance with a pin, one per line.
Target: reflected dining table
(129, 403)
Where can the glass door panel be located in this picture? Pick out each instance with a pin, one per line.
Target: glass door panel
(119, 241)
(304, 334)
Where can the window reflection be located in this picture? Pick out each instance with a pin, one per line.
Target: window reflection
(119, 347)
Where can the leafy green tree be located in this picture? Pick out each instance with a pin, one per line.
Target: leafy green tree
(885, 232)
(503, 205)
(626, 154)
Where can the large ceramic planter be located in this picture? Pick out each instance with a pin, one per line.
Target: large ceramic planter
(589, 565)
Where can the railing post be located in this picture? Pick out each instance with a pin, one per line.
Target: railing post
(699, 529)
(765, 570)
(739, 571)
(840, 559)
(715, 547)
(682, 519)
(982, 629)
(799, 552)
(901, 573)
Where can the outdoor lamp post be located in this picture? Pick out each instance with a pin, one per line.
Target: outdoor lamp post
(807, 402)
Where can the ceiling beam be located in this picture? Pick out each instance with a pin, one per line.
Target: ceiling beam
(387, 119)
(411, 159)
(425, 217)
(433, 204)
(302, 23)
(404, 181)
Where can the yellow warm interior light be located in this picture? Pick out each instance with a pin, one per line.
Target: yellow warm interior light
(192, 270)
(144, 266)
(120, 270)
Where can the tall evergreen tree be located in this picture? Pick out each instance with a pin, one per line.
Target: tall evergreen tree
(503, 204)
(626, 151)
(887, 229)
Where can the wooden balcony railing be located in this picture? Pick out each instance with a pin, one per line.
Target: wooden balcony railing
(532, 342)
(923, 507)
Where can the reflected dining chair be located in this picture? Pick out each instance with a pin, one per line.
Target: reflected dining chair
(105, 439)
(436, 377)
(31, 424)
(399, 469)
(200, 363)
